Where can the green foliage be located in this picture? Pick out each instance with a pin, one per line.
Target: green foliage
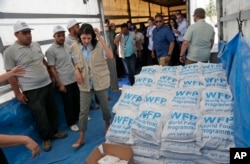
(211, 9)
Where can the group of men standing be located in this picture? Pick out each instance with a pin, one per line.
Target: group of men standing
(35, 88)
(169, 47)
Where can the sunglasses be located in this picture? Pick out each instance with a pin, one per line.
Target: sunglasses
(158, 21)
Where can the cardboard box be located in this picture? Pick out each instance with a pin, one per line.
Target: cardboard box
(122, 152)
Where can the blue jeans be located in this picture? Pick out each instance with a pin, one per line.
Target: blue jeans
(131, 65)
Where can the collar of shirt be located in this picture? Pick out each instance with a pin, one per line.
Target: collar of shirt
(72, 38)
(22, 46)
(200, 20)
(57, 45)
(158, 28)
(86, 51)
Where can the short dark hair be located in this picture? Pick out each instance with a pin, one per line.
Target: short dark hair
(158, 15)
(124, 25)
(200, 12)
(179, 11)
(129, 21)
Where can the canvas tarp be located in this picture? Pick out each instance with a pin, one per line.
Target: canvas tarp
(236, 59)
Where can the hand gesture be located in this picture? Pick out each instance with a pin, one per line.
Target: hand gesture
(79, 78)
(22, 98)
(167, 59)
(33, 147)
(182, 59)
(97, 32)
(18, 71)
(62, 88)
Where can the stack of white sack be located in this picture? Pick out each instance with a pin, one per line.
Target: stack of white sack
(179, 114)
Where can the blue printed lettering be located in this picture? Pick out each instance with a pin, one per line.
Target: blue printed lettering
(183, 116)
(189, 82)
(123, 120)
(148, 70)
(206, 66)
(168, 78)
(189, 67)
(187, 93)
(218, 95)
(175, 115)
(209, 119)
(153, 99)
(144, 80)
(215, 80)
(132, 97)
(217, 119)
(229, 119)
(150, 114)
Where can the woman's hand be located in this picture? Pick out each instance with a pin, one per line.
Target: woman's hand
(79, 78)
(97, 32)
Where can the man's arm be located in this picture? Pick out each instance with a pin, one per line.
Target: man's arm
(184, 48)
(170, 51)
(212, 43)
(15, 87)
(78, 75)
(171, 48)
(118, 38)
(47, 66)
(57, 79)
(153, 51)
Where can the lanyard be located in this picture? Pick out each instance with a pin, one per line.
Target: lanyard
(126, 39)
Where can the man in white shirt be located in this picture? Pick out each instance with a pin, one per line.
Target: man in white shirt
(182, 28)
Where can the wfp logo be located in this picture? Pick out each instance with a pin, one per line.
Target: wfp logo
(155, 100)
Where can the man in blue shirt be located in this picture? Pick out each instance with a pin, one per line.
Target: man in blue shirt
(127, 50)
(163, 41)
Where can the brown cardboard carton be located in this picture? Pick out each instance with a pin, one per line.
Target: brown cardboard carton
(120, 151)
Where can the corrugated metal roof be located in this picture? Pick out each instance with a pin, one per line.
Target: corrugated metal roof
(168, 3)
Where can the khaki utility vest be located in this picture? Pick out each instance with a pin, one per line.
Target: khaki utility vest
(98, 66)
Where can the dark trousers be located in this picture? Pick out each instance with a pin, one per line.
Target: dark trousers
(43, 106)
(120, 67)
(131, 65)
(71, 103)
(180, 44)
(3, 159)
(150, 60)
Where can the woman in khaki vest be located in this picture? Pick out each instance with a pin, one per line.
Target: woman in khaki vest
(92, 75)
